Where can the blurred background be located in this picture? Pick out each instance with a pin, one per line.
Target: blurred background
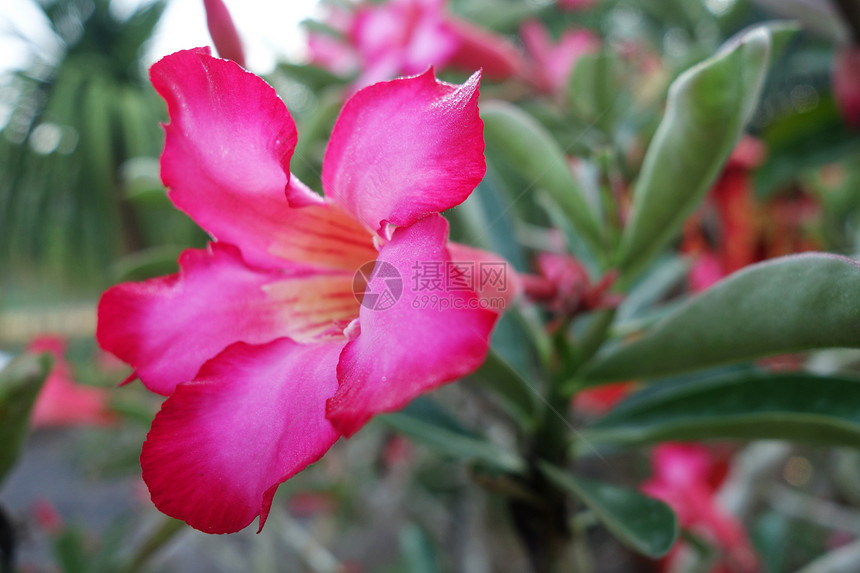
(82, 207)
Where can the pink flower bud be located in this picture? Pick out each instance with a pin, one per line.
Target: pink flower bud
(223, 31)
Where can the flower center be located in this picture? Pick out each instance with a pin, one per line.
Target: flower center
(318, 301)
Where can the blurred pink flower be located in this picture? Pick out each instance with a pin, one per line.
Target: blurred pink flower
(47, 517)
(732, 199)
(260, 343)
(384, 40)
(706, 271)
(686, 477)
(600, 400)
(576, 4)
(846, 83)
(554, 62)
(62, 401)
(748, 231)
(562, 284)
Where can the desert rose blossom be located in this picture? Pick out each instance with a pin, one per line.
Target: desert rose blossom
(732, 199)
(554, 62)
(62, 401)
(380, 41)
(263, 350)
(686, 476)
(749, 231)
(563, 286)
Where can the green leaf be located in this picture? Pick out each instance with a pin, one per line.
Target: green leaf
(644, 524)
(501, 16)
(426, 422)
(523, 142)
(798, 407)
(817, 18)
(20, 383)
(503, 380)
(417, 549)
(769, 532)
(594, 89)
(147, 264)
(70, 550)
(655, 285)
(790, 304)
(801, 142)
(708, 107)
(316, 78)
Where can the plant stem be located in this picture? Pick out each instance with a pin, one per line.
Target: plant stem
(544, 525)
(152, 544)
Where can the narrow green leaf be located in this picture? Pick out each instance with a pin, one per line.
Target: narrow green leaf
(594, 89)
(426, 422)
(20, 383)
(501, 16)
(708, 107)
(503, 380)
(316, 78)
(644, 524)
(818, 18)
(418, 551)
(533, 151)
(147, 264)
(70, 550)
(660, 279)
(798, 407)
(790, 304)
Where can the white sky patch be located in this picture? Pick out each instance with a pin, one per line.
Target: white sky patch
(4, 360)
(269, 29)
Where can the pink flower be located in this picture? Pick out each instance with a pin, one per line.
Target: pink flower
(600, 400)
(747, 231)
(564, 287)
(554, 63)
(62, 401)
(686, 477)
(405, 37)
(732, 199)
(576, 4)
(223, 31)
(706, 271)
(263, 350)
(846, 84)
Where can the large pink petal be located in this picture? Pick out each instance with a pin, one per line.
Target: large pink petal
(430, 336)
(226, 160)
(253, 418)
(404, 149)
(167, 327)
